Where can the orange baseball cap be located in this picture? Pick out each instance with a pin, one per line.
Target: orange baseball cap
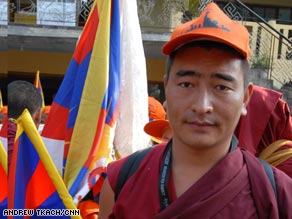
(214, 25)
(155, 108)
(155, 128)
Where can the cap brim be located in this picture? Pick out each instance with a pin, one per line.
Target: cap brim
(155, 127)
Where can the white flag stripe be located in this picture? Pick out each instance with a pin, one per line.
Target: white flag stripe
(133, 109)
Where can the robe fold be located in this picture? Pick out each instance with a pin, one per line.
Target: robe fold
(233, 188)
(214, 193)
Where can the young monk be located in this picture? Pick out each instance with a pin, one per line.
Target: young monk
(201, 173)
(266, 131)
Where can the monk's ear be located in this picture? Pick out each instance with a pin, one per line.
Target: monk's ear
(247, 96)
(37, 117)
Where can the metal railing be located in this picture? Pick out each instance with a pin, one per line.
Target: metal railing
(272, 49)
(271, 45)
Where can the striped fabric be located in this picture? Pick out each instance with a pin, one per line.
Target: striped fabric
(3, 181)
(80, 126)
(34, 182)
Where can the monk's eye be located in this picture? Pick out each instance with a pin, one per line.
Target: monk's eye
(223, 88)
(185, 84)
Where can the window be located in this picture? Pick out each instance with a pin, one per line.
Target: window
(270, 13)
(284, 15)
(260, 11)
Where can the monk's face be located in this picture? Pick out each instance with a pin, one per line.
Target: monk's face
(205, 96)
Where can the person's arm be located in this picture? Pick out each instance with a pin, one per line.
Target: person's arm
(106, 200)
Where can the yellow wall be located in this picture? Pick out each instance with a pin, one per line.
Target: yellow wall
(29, 61)
(155, 69)
(3, 62)
(57, 63)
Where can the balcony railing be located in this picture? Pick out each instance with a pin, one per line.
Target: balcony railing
(271, 44)
(160, 13)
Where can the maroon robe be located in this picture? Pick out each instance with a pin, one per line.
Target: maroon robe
(268, 119)
(229, 190)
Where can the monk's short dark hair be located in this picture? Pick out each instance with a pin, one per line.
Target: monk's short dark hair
(22, 95)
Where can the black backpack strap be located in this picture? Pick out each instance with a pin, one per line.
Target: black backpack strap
(129, 168)
(270, 175)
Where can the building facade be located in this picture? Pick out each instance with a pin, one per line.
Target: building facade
(42, 34)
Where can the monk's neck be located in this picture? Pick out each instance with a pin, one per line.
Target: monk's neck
(189, 164)
(198, 156)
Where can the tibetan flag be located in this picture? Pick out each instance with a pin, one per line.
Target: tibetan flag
(83, 114)
(3, 180)
(38, 85)
(34, 182)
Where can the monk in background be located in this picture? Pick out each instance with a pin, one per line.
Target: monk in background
(266, 130)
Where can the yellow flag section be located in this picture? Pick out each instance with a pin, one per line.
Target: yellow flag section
(3, 157)
(41, 171)
(3, 181)
(3, 177)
